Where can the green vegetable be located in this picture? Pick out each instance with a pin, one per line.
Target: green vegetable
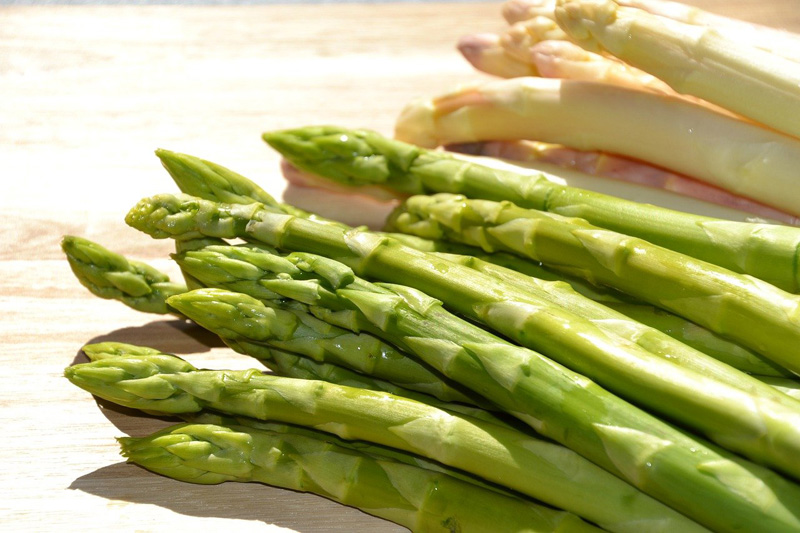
(753, 313)
(537, 468)
(244, 319)
(724, 413)
(418, 498)
(112, 276)
(291, 365)
(359, 157)
(687, 332)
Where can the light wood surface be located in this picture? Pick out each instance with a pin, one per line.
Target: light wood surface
(86, 95)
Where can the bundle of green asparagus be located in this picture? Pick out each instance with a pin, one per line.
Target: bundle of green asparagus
(442, 374)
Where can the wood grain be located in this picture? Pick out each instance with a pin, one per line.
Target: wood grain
(87, 93)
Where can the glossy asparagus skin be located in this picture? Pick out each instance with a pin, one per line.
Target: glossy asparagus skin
(417, 498)
(360, 157)
(534, 467)
(755, 314)
(723, 413)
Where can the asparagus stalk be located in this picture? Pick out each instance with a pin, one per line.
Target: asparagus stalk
(238, 317)
(291, 365)
(198, 177)
(768, 252)
(537, 468)
(111, 276)
(720, 300)
(692, 59)
(634, 322)
(221, 266)
(485, 52)
(556, 159)
(685, 331)
(248, 319)
(418, 498)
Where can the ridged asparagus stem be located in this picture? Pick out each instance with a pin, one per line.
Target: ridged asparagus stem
(223, 266)
(724, 413)
(359, 157)
(238, 317)
(373, 450)
(112, 276)
(682, 330)
(537, 468)
(692, 59)
(753, 313)
(414, 497)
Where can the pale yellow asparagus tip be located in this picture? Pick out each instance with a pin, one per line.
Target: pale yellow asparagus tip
(518, 10)
(485, 53)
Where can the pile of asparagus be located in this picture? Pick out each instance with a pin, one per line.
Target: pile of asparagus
(482, 365)
(650, 91)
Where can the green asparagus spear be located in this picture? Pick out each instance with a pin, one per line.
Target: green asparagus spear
(753, 313)
(291, 365)
(417, 498)
(359, 157)
(534, 467)
(235, 316)
(111, 276)
(368, 448)
(726, 414)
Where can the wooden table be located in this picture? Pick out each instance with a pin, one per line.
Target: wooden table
(86, 95)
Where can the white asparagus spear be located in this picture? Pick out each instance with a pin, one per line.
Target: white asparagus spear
(532, 153)
(695, 60)
(665, 131)
(777, 41)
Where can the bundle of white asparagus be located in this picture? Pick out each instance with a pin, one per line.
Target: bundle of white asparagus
(647, 91)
